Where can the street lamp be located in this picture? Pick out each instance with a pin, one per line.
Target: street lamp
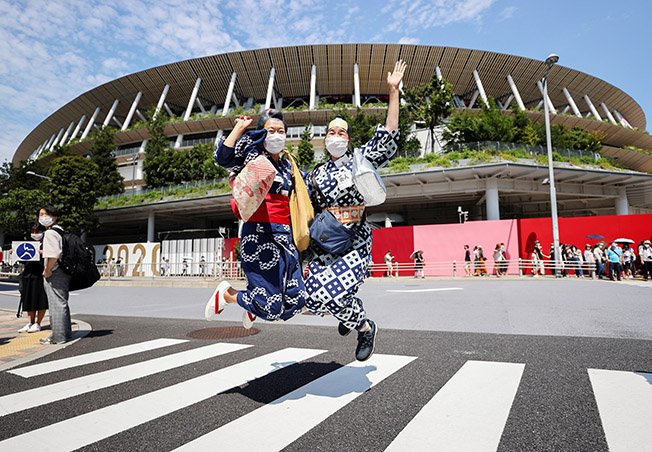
(550, 61)
(32, 173)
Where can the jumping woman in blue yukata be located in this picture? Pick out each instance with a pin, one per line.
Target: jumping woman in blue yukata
(270, 260)
(333, 280)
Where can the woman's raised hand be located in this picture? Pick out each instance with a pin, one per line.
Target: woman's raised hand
(243, 122)
(394, 78)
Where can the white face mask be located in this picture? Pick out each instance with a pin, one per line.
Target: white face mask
(37, 237)
(275, 142)
(336, 146)
(46, 220)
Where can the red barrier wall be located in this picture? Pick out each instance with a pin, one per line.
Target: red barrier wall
(443, 243)
(576, 229)
(399, 239)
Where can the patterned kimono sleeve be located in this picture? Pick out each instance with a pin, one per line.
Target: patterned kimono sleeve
(382, 147)
(248, 147)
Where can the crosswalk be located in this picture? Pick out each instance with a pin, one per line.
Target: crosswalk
(468, 413)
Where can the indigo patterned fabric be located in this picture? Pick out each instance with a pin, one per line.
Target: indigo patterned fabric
(270, 261)
(334, 280)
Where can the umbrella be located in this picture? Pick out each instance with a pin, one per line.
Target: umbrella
(622, 240)
(414, 253)
(595, 236)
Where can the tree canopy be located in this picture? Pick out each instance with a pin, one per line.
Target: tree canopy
(109, 181)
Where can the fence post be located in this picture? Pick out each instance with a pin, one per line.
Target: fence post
(520, 267)
(454, 268)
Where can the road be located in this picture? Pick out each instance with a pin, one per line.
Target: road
(475, 365)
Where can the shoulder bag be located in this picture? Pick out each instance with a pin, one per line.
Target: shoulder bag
(367, 180)
(251, 185)
(301, 210)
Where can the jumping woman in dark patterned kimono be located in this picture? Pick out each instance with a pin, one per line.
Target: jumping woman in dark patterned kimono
(270, 260)
(334, 280)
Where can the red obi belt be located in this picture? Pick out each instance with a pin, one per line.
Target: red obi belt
(274, 209)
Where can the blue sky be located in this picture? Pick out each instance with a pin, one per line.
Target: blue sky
(52, 51)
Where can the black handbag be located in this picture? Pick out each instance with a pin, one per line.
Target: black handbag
(331, 235)
(326, 231)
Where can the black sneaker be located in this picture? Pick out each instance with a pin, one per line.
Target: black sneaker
(366, 342)
(343, 330)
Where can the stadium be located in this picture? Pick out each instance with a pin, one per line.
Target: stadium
(203, 95)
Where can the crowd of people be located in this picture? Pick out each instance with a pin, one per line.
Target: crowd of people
(616, 261)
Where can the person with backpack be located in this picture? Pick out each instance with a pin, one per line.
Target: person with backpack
(56, 281)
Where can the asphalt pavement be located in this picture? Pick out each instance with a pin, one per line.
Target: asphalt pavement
(509, 365)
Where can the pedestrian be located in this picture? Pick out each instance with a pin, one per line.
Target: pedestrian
(165, 267)
(646, 260)
(614, 256)
(419, 264)
(119, 267)
(202, 266)
(467, 261)
(56, 281)
(33, 298)
(270, 260)
(333, 188)
(389, 264)
(481, 266)
(498, 260)
(589, 259)
(599, 259)
(184, 267)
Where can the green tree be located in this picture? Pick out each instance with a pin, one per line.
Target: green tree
(430, 103)
(408, 144)
(72, 189)
(12, 177)
(19, 210)
(306, 153)
(158, 162)
(109, 182)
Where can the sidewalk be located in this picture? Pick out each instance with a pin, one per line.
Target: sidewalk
(20, 348)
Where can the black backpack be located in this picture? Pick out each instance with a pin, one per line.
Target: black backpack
(78, 260)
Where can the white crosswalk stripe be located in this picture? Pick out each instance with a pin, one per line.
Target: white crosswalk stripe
(282, 421)
(468, 414)
(95, 357)
(58, 391)
(88, 428)
(625, 403)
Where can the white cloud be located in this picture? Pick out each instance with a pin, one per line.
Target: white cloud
(507, 13)
(408, 40)
(427, 14)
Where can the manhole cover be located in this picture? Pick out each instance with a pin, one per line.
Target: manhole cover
(227, 332)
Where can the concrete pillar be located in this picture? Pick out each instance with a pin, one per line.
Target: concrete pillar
(229, 94)
(572, 103)
(551, 107)
(438, 73)
(143, 146)
(56, 140)
(50, 141)
(622, 204)
(478, 83)
(111, 113)
(161, 100)
(388, 221)
(313, 87)
(191, 101)
(622, 120)
(132, 110)
(150, 227)
(517, 95)
(491, 199)
(219, 135)
(594, 111)
(608, 113)
(270, 88)
(90, 124)
(77, 128)
(65, 135)
(356, 85)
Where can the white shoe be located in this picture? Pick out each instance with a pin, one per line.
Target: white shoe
(26, 328)
(248, 320)
(216, 302)
(35, 328)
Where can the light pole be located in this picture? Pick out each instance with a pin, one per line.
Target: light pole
(32, 173)
(550, 61)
